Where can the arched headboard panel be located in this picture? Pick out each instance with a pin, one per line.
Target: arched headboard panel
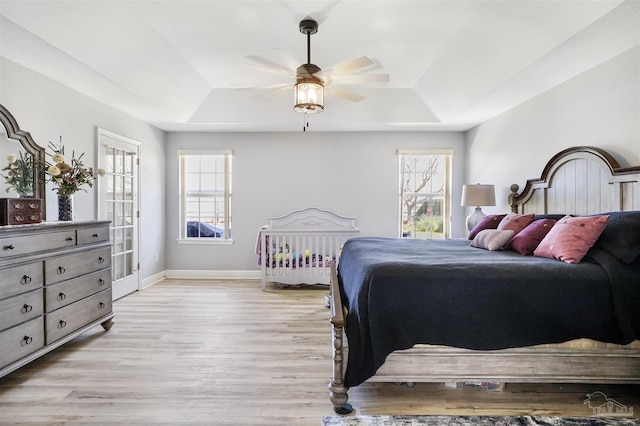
(580, 180)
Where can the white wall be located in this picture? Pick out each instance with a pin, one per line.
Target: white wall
(49, 110)
(353, 174)
(600, 107)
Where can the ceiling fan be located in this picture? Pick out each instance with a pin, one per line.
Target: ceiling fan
(310, 80)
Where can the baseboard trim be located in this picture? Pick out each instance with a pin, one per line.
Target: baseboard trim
(153, 279)
(212, 275)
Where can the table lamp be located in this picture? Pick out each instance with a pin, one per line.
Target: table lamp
(477, 195)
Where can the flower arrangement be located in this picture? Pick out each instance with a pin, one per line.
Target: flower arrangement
(19, 174)
(69, 177)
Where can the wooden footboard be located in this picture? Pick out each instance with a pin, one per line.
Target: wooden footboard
(536, 364)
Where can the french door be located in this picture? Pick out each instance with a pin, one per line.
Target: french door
(118, 202)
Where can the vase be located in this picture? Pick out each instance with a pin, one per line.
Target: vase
(65, 207)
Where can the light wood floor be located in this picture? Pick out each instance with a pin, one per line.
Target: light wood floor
(213, 352)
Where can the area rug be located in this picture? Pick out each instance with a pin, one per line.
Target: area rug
(473, 420)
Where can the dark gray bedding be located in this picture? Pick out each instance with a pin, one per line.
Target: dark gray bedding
(403, 292)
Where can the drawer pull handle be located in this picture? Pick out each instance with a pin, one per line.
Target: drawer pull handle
(27, 308)
(100, 259)
(63, 324)
(26, 279)
(18, 218)
(61, 270)
(9, 247)
(69, 239)
(33, 217)
(102, 305)
(95, 235)
(19, 206)
(101, 281)
(26, 340)
(62, 296)
(33, 205)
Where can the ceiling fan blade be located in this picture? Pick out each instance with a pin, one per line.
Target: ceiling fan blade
(267, 92)
(266, 95)
(361, 78)
(270, 66)
(353, 65)
(267, 86)
(347, 94)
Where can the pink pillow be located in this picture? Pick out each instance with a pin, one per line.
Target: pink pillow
(571, 238)
(492, 239)
(488, 222)
(515, 222)
(528, 239)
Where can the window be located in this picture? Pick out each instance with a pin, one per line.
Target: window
(205, 195)
(425, 194)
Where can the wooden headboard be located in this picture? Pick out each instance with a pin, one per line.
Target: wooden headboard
(581, 180)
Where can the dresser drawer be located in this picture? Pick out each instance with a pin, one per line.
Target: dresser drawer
(66, 292)
(70, 318)
(20, 211)
(20, 279)
(21, 340)
(62, 268)
(20, 308)
(27, 244)
(93, 235)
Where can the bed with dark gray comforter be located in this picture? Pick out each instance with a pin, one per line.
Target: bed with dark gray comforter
(443, 311)
(401, 292)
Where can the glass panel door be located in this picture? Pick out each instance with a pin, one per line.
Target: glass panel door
(119, 159)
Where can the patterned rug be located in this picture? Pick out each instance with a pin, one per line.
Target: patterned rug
(473, 420)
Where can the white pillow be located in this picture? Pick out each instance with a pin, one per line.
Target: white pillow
(492, 239)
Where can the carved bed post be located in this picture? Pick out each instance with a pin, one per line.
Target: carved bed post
(513, 196)
(337, 391)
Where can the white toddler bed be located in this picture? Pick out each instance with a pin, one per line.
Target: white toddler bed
(298, 248)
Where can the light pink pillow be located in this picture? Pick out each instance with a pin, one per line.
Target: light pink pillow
(571, 238)
(515, 222)
(492, 239)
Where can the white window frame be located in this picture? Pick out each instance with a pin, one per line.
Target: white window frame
(183, 239)
(446, 214)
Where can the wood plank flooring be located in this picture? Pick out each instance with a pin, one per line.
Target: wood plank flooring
(226, 353)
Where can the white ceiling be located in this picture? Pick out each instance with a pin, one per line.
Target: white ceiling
(184, 65)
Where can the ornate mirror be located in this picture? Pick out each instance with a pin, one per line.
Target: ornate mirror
(19, 147)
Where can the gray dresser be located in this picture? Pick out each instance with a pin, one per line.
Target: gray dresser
(55, 283)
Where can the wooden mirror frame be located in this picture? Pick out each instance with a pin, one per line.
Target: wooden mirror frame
(29, 145)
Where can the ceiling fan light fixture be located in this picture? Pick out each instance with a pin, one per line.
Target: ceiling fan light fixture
(309, 97)
(309, 89)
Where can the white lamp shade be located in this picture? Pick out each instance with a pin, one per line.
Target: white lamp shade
(478, 195)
